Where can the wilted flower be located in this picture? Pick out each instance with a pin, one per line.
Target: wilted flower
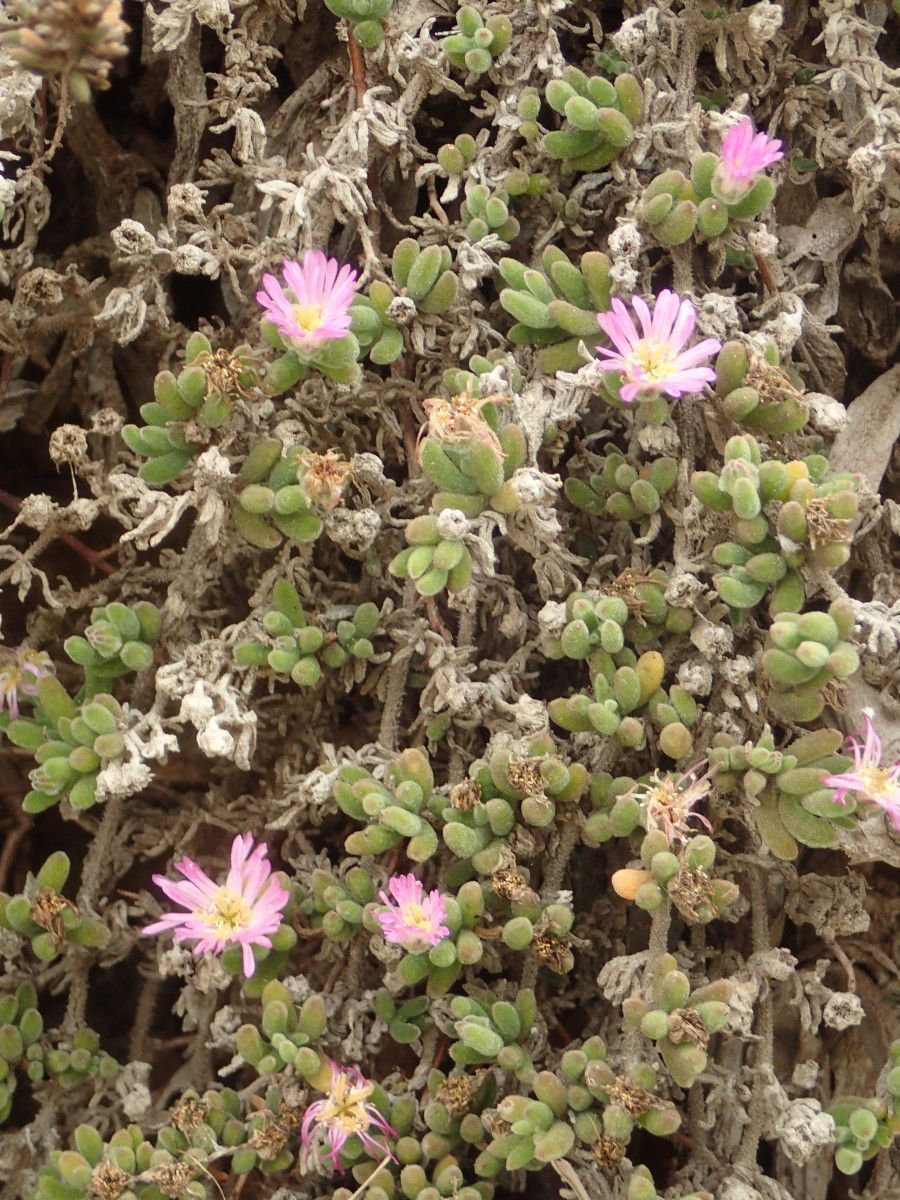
(744, 155)
(867, 778)
(668, 802)
(245, 910)
(324, 477)
(20, 670)
(314, 306)
(655, 360)
(459, 419)
(346, 1111)
(416, 920)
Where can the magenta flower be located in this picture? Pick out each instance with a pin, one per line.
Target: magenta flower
(245, 910)
(20, 670)
(744, 155)
(314, 306)
(346, 1111)
(416, 920)
(656, 360)
(867, 778)
(669, 802)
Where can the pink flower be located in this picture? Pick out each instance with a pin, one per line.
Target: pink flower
(744, 154)
(245, 910)
(668, 803)
(20, 670)
(314, 307)
(416, 920)
(346, 1111)
(655, 360)
(867, 778)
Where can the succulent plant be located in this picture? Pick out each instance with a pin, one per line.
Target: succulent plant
(636, 611)
(486, 1030)
(21, 1026)
(863, 1127)
(805, 654)
(484, 212)
(432, 561)
(295, 645)
(366, 18)
(476, 379)
(556, 308)
(455, 156)
(476, 42)
(426, 276)
(44, 915)
(679, 1019)
(600, 118)
(757, 392)
(472, 468)
(187, 408)
(627, 691)
(285, 1036)
(71, 743)
(271, 501)
(119, 640)
(621, 490)
(676, 208)
(406, 1021)
(532, 788)
(337, 905)
(393, 811)
(813, 524)
(785, 788)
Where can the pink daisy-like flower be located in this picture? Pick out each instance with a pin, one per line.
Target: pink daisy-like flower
(669, 802)
(346, 1111)
(245, 910)
(20, 670)
(415, 921)
(744, 155)
(313, 305)
(867, 778)
(655, 360)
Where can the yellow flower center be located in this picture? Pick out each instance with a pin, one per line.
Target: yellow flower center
(877, 780)
(655, 359)
(308, 316)
(227, 913)
(345, 1106)
(414, 914)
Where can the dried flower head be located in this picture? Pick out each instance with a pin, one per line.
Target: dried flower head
(172, 1178)
(47, 910)
(313, 306)
(80, 39)
(20, 670)
(107, 1181)
(525, 776)
(655, 360)
(344, 1113)
(867, 778)
(416, 920)
(745, 154)
(636, 1100)
(245, 910)
(608, 1151)
(324, 477)
(189, 1113)
(552, 951)
(459, 420)
(465, 795)
(668, 802)
(686, 1025)
(456, 1092)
